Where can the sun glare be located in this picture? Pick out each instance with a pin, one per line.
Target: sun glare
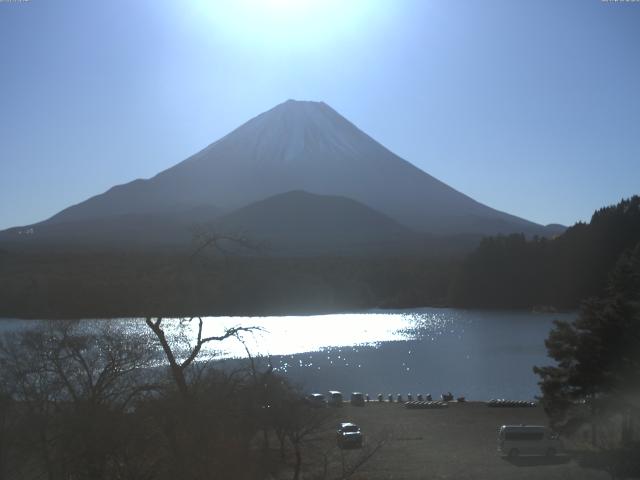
(287, 24)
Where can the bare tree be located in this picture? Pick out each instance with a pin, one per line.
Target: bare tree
(177, 365)
(223, 244)
(302, 425)
(350, 468)
(6, 432)
(74, 385)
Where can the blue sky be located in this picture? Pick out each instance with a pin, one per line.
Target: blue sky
(531, 107)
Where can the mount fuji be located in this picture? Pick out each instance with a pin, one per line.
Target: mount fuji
(296, 146)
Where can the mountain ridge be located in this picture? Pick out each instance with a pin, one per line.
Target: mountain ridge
(302, 145)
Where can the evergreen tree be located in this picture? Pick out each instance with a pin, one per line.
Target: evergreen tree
(598, 354)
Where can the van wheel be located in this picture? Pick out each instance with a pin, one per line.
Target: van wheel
(514, 452)
(551, 452)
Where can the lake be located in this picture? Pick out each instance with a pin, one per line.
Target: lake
(476, 354)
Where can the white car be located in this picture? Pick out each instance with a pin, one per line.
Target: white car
(515, 440)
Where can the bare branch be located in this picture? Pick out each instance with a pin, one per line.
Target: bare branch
(362, 459)
(178, 368)
(232, 332)
(206, 239)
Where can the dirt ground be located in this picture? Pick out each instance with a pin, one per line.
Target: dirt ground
(458, 442)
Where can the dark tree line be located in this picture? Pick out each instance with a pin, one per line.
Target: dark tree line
(116, 285)
(503, 272)
(514, 272)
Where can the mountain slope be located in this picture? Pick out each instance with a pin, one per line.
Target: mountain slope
(303, 146)
(122, 231)
(299, 222)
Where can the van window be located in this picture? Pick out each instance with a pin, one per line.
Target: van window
(524, 436)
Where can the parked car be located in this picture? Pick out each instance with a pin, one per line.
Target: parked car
(515, 440)
(335, 398)
(357, 399)
(349, 435)
(317, 400)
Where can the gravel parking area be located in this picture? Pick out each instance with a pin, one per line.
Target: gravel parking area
(458, 442)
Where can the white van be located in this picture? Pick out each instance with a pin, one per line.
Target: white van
(335, 398)
(514, 440)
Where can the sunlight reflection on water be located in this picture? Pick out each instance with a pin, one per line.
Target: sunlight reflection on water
(296, 334)
(480, 354)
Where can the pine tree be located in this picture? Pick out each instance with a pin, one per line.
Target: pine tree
(598, 354)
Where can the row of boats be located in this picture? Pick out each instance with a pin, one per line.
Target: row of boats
(398, 398)
(502, 403)
(426, 405)
(335, 398)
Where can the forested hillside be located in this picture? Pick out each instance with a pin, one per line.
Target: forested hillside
(503, 272)
(513, 272)
(102, 285)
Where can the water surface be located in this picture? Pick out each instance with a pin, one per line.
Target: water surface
(478, 354)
